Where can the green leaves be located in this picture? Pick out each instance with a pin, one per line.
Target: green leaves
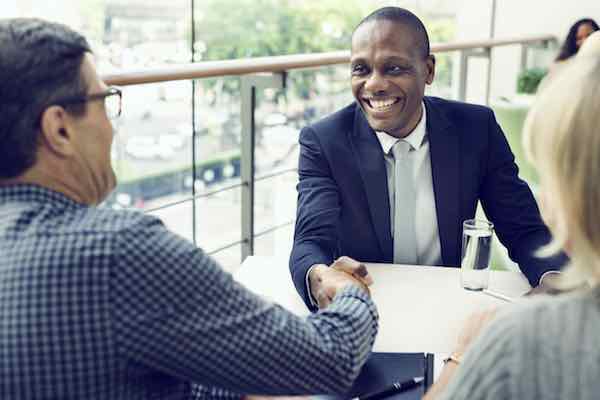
(233, 29)
(529, 80)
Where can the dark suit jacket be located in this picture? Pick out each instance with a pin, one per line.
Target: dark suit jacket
(343, 203)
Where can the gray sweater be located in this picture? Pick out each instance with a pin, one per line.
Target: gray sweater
(547, 348)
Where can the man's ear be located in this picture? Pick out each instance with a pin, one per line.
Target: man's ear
(430, 65)
(56, 133)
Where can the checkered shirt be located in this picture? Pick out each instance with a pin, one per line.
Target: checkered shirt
(104, 304)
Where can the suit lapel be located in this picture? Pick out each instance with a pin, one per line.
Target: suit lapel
(445, 168)
(374, 178)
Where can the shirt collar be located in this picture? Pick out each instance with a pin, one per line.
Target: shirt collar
(415, 138)
(34, 193)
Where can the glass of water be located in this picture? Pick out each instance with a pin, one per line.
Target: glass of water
(476, 249)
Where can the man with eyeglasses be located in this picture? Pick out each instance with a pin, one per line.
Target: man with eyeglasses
(104, 304)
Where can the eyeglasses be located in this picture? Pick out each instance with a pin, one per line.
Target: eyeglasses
(112, 101)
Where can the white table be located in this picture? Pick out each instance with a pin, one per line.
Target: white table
(421, 308)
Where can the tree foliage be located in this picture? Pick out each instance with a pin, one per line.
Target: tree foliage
(233, 29)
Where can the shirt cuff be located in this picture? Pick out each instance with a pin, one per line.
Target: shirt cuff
(547, 273)
(307, 283)
(200, 392)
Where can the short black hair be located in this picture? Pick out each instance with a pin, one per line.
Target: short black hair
(402, 16)
(40, 62)
(569, 47)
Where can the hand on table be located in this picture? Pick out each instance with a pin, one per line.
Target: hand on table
(326, 281)
(541, 289)
(549, 285)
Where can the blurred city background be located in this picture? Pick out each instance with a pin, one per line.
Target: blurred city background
(166, 127)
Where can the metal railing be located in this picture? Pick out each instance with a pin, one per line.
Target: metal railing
(270, 72)
(280, 64)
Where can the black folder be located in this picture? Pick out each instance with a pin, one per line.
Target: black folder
(383, 369)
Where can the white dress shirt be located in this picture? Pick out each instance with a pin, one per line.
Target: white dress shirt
(429, 250)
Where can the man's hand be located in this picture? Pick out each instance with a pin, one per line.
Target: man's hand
(547, 285)
(326, 281)
(551, 285)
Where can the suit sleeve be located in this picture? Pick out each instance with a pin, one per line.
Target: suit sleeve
(317, 217)
(509, 204)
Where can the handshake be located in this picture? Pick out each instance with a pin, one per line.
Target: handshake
(326, 281)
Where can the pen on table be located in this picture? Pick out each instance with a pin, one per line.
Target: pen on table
(396, 387)
(497, 295)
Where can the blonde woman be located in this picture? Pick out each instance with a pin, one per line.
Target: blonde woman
(549, 347)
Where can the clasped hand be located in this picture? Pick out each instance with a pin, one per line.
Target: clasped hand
(326, 281)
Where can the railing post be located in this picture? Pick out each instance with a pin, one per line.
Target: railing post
(488, 83)
(488, 79)
(524, 53)
(553, 43)
(464, 69)
(525, 47)
(463, 66)
(248, 88)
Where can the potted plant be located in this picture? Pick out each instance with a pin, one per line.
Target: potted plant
(529, 80)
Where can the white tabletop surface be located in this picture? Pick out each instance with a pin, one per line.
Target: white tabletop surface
(421, 308)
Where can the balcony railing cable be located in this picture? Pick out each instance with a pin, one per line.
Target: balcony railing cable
(226, 188)
(260, 73)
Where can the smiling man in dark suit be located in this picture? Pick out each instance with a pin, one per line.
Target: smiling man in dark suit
(391, 177)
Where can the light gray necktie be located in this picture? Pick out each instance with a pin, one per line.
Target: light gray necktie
(405, 207)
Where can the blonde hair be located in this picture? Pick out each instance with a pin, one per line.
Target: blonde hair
(562, 139)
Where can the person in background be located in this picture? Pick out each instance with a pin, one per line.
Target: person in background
(104, 304)
(591, 46)
(547, 348)
(577, 35)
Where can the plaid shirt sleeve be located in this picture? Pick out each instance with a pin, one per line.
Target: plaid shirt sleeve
(177, 312)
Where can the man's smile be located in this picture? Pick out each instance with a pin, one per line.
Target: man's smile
(377, 105)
